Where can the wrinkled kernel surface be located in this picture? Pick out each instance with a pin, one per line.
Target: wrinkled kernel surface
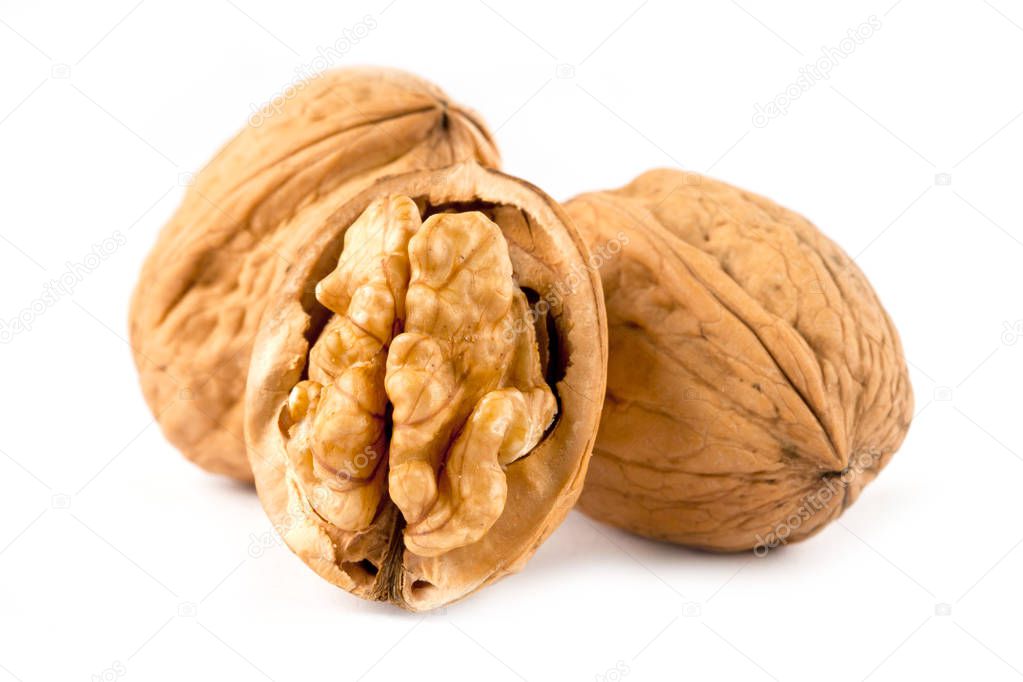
(424, 322)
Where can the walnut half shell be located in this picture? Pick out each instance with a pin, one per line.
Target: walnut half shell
(426, 389)
(755, 383)
(247, 218)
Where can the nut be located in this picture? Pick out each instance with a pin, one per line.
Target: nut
(417, 424)
(245, 219)
(755, 383)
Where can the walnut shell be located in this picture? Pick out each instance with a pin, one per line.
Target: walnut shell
(402, 388)
(755, 383)
(245, 221)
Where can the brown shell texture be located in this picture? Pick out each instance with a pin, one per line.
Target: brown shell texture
(246, 220)
(755, 383)
(425, 389)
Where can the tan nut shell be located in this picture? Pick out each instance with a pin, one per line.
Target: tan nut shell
(755, 383)
(245, 221)
(547, 257)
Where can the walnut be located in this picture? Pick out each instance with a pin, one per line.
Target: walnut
(426, 387)
(755, 383)
(245, 221)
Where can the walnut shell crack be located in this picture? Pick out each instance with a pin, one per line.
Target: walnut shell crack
(755, 383)
(481, 403)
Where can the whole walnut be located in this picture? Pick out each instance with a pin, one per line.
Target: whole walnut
(755, 384)
(426, 386)
(245, 221)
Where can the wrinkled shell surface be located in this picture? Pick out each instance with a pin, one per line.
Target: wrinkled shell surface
(426, 388)
(755, 383)
(245, 221)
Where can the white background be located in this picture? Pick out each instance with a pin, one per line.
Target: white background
(118, 559)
